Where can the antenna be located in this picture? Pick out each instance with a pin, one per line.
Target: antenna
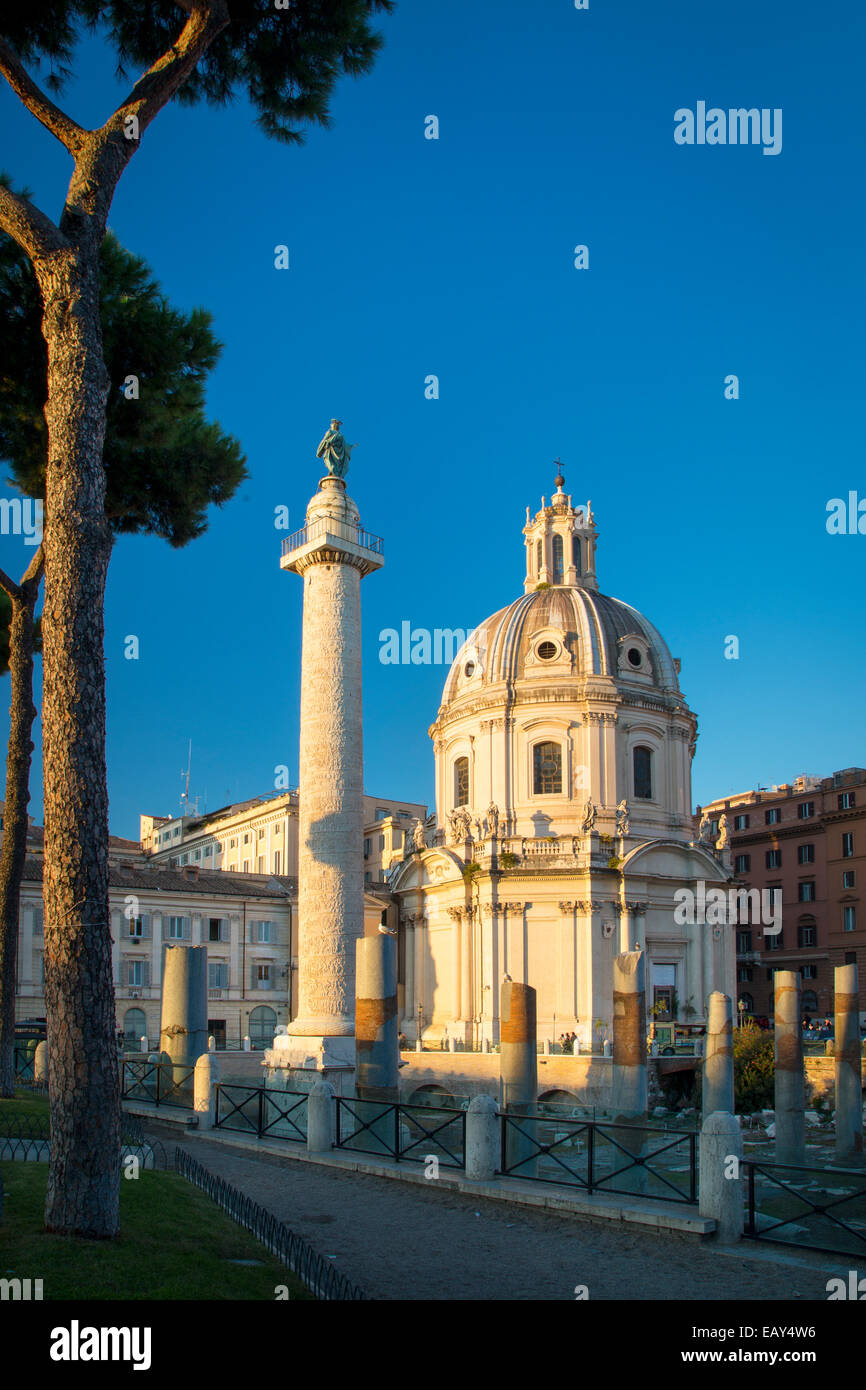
(184, 796)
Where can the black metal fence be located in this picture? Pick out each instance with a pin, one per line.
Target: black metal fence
(261, 1110)
(24, 1061)
(819, 1208)
(630, 1159)
(161, 1083)
(415, 1133)
(319, 1275)
(26, 1138)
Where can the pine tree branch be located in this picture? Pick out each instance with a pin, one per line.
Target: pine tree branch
(35, 568)
(61, 126)
(9, 585)
(28, 227)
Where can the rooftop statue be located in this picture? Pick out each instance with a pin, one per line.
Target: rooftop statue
(335, 452)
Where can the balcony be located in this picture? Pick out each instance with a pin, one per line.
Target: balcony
(320, 529)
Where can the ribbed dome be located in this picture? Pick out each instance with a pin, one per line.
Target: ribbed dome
(591, 626)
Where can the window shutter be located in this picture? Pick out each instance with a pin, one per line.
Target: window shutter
(145, 926)
(145, 972)
(186, 928)
(38, 921)
(225, 929)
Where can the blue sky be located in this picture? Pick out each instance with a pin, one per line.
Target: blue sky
(455, 257)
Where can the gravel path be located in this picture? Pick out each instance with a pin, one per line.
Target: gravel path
(403, 1241)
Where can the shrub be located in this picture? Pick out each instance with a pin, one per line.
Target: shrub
(754, 1069)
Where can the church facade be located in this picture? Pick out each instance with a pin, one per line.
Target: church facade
(563, 825)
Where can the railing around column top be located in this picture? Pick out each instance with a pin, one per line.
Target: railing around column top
(328, 526)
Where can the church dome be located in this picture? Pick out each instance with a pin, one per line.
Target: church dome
(563, 630)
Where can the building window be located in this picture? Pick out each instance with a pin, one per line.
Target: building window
(217, 975)
(742, 863)
(139, 928)
(461, 782)
(246, 866)
(261, 833)
(557, 559)
(260, 864)
(774, 943)
(806, 934)
(217, 929)
(381, 813)
(805, 854)
(773, 816)
(197, 854)
(849, 918)
(809, 1001)
(575, 555)
(808, 972)
(246, 839)
(538, 554)
(849, 878)
(806, 891)
(744, 942)
(368, 845)
(847, 801)
(744, 974)
(774, 859)
(177, 928)
(642, 763)
(806, 809)
(741, 822)
(137, 973)
(263, 1025)
(262, 975)
(547, 768)
(276, 861)
(260, 933)
(134, 1025)
(847, 845)
(233, 844)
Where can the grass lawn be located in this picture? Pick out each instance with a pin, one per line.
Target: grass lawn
(174, 1243)
(26, 1103)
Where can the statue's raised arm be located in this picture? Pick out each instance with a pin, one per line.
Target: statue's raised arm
(334, 452)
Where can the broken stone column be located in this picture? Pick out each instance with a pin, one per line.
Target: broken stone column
(790, 1084)
(717, 1093)
(518, 1071)
(183, 1023)
(721, 1191)
(320, 1118)
(377, 1049)
(40, 1064)
(849, 1083)
(482, 1139)
(629, 1034)
(207, 1074)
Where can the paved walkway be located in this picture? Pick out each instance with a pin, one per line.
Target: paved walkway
(399, 1240)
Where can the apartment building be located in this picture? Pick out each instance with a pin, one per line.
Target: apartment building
(808, 839)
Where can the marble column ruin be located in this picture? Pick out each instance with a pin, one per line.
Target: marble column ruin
(183, 1020)
(790, 1083)
(717, 1093)
(849, 1081)
(377, 1052)
(629, 1034)
(518, 1070)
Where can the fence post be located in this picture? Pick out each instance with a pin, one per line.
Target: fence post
(205, 1080)
(482, 1139)
(320, 1118)
(721, 1193)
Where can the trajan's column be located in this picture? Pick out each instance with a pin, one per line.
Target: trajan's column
(331, 554)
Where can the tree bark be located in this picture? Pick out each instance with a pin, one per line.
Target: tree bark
(84, 1166)
(18, 760)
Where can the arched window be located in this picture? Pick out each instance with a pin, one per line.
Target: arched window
(642, 760)
(575, 555)
(134, 1025)
(263, 1024)
(547, 768)
(538, 555)
(557, 559)
(461, 782)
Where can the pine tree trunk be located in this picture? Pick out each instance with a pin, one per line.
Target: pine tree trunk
(14, 848)
(84, 1168)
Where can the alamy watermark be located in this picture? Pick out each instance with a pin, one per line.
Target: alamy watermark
(22, 516)
(736, 126)
(439, 646)
(716, 907)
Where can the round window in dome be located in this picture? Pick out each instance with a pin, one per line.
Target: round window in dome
(634, 656)
(546, 651)
(469, 669)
